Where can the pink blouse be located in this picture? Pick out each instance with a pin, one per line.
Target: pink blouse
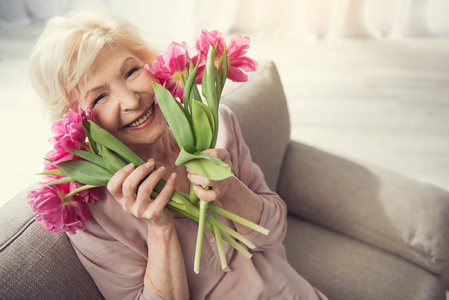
(113, 246)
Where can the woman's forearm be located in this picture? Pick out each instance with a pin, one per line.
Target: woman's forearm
(165, 275)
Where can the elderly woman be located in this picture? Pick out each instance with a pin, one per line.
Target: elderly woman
(133, 246)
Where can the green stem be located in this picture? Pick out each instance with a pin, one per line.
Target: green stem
(176, 207)
(231, 232)
(218, 238)
(199, 238)
(238, 219)
(237, 246)
(193, 198)
(179, 203)
(80, 189)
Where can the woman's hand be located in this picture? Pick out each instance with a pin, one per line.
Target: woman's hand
(165, 273)
(214, 190)
(233, 194)
(132, 188)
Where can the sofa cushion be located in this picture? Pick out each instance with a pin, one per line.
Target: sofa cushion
(36, 264)
(346, 269)
(369, 203)
(261, 108)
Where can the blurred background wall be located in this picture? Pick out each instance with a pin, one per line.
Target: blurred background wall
(307, 19)
(367, 79)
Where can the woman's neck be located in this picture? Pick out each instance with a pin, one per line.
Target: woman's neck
(164, 151)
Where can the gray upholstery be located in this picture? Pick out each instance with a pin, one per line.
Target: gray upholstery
(261, 109)
(35, 264)
(355, 231)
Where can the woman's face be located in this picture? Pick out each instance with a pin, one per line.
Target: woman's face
(120, 93)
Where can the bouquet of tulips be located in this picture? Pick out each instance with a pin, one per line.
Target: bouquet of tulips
(85, 156)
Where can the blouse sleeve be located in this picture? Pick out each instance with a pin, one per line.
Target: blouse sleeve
(117, 269)
(274, 215)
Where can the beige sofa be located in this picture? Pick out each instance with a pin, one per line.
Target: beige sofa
(355, 231)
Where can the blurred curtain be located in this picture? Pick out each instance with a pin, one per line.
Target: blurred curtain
(304, 19)
(328, 19)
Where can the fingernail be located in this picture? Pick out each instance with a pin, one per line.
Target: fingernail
(149, 164)
(161, 169)
(173, 176)
(129, 167)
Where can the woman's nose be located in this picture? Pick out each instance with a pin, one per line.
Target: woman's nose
(129, 99)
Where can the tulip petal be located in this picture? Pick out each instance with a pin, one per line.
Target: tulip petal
(236, 75)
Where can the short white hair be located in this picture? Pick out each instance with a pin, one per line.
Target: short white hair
(67, 48)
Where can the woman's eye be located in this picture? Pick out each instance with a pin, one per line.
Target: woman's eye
(131, 72)
(98, 99)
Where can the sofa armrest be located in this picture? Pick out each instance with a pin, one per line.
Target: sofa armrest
(369, 203)
(36, 264)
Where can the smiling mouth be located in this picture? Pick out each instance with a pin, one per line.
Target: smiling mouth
(142, 119)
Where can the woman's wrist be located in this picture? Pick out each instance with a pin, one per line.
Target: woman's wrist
(243, 202)
(161, 229)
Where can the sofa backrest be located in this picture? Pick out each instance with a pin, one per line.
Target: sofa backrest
(261, 108)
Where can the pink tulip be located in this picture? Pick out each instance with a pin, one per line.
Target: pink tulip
(69, 134)
(57, 157)
(55, 212)
(88, 196)
(169, 68)
(210, 38)
(237, 61)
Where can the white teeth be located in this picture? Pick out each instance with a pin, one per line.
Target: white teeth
(143, 119)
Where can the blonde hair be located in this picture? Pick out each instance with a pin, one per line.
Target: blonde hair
(65, 51)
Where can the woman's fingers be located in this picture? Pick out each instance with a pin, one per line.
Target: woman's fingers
(207, 195)
(219, 153)
(132, 182)
(147, 185)
(132, 187)
(164, 196)
(114, 185)
(207, 189)
(200, 180)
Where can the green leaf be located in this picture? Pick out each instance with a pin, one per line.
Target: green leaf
(52, 172)
(174, 115)
(195, 94)
(211, 93)
(61, 180)
(202, 127)
(86, 128)
(204, 83)
(202, 164)
(186, 113)
(190, 88)
(224, 71)
(85, 172)
(112, 161)
(92, 157)
(103, 137)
